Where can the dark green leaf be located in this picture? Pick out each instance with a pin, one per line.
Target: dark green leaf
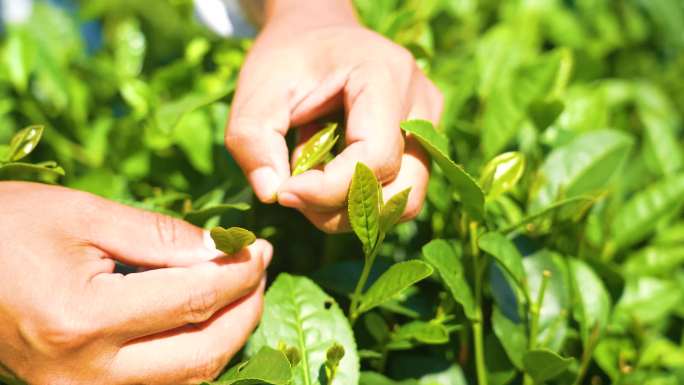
(232, 240)
(505, 252)
(511, 335)
(470, 192)
(432, 333)
(392, 282)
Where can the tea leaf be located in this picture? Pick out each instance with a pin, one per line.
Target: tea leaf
(298, 313)
(392, 282)
(268, 366)
(232, 240)
(592, 301)
(392, 210)
(24, 142)
(502, 173)
(505, 252)
(511, 335)
(582, 166)
(639, 216)
(364, 207)
(431, 333)
(316, 149)
(436, 145)
(447, 261)
(543, 365)
(18, 169)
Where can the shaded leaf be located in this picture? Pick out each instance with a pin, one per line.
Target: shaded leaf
(447, 261)
(505, 252)
(511, 335)
(592, 301)
(543, 365)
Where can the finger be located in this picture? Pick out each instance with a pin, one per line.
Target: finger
(414, 173)
(374, 101)
(150, 302)
(142, 238)
(191, 354)
(255, 135)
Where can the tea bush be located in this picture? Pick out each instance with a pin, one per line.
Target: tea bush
(551, 245)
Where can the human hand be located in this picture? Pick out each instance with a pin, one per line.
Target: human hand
(66, 318)
(313, 58)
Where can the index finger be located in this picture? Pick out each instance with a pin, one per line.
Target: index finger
(375, 108)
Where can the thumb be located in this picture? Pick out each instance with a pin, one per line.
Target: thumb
(147, 239)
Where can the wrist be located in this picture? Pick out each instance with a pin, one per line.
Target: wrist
(306, 14)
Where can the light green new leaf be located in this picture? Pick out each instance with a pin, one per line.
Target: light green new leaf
(511, 335)
(583, 166)
(392, 210)
(447, 261)
(298, 313)
(232, 240)
(592, 301)
(436, 145)
(502, 173)
(658, 260)
(18, 169)
(24, 142)
(505, 252)
(392, 282)
(129, 48)
(364, 207)
(639, 216)
(543, 365)
(316, 149)
(268, 366)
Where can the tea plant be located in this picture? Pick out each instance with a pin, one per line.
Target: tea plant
(550, 248)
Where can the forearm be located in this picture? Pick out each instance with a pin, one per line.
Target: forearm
(309, 13)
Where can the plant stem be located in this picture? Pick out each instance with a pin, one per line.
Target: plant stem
(477, 322)
(367, 265)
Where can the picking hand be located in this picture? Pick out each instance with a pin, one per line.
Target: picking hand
(304, 67)
(67, 318)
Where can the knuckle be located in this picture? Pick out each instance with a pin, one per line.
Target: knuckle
(205, 368)
(167, 228)
(59, 333)
(201, 305)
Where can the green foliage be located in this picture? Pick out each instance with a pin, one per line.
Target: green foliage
(267, 366)
(553, 218)
(232, 240)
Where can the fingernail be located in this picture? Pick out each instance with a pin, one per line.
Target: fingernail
(267, 254)
(211, 246)
(265, 182)
(290, 200)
